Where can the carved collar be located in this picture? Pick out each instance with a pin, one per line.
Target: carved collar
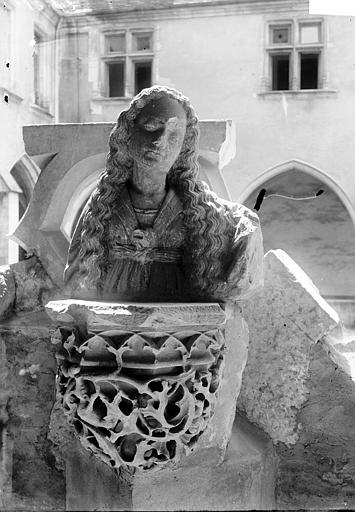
(169, 210)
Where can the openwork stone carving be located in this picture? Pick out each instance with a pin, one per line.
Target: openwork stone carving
(139, 398)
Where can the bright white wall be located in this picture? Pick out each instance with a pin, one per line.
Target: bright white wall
(218, 62)
(17, 85)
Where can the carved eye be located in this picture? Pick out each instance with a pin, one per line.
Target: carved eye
(150, 127)
(151, 124)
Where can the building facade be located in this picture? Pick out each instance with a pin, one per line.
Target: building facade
(284, 77)
(27, 71)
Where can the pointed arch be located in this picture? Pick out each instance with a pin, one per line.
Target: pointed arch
(302, 166)
(25, 172)
(306, 213)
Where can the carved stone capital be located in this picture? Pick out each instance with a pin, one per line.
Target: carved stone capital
(138, 383)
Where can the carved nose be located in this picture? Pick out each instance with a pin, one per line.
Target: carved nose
(158, 143)
(160, 140)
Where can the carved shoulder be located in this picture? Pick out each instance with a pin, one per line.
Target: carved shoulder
(237, 212)
(245, 274)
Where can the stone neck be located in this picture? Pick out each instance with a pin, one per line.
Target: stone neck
(147, 189)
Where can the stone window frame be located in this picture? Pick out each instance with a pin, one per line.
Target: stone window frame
(42, 98)
(294, 48)
(129, 58)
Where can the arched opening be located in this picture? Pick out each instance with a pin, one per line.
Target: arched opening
(68, 201)
(303, 214)
(25, 172)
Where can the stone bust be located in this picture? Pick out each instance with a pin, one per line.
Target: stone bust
(151, 231)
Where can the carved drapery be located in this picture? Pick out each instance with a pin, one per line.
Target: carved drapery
(139, 397)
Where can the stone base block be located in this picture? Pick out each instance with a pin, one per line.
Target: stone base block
(92, 485)
(243, 481)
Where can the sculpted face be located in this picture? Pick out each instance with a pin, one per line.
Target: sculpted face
(158, 134)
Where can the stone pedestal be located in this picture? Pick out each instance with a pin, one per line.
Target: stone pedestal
(149, 389)
(244, 480)
(93, 485)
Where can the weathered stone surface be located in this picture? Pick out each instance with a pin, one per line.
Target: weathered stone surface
(100, 487)
(194, 321)
(61, 436)
(318, 472)
(4, 387)
(136, 397)
(196, 246)
(285, 320)
(33, 481)
(236, 335)
(6, 445)
(243, 481)
(165, 316)
(7, 291)
(168, 318)
(33, 285)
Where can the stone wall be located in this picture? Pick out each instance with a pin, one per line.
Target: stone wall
(29, 476)
(297, 387)
(318, 471)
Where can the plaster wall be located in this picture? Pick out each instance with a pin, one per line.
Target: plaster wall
(16, 85)
(74, 90)
(271, 128)
(17, 106)
(228, 66)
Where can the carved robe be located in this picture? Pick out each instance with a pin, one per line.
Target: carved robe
(145, 252)
(148, 254)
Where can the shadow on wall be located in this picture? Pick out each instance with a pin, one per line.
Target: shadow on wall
(316, 231)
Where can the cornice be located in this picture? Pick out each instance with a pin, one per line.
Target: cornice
(11, 96)
(44, 9)
(188, 11)
(41, 111)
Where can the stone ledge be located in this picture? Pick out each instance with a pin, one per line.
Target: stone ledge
(135, 316)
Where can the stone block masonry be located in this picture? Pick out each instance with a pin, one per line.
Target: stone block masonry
(298, 388)
(285, 320)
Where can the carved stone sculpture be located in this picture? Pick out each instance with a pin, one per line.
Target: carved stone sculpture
(139, 397)
(152, 232)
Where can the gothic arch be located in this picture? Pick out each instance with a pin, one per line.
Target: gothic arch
(306, 213)
(302, 166)
(71, 193)
(25, 172)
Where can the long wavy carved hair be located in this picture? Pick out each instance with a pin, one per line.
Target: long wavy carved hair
(205, 218)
